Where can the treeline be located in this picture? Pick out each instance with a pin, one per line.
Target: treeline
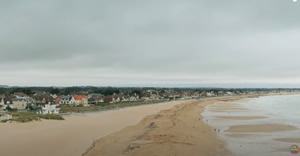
(71, 90)
(125, 90)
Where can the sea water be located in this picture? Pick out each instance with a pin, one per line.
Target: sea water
(284, 110)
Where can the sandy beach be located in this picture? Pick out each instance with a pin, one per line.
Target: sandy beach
(172, 128)
(178, 131)
(182, 130)
(73, 135)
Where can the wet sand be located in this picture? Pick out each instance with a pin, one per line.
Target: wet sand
(241, 117)
(236, 135)
(261, 128)
(250, 131)
(289, 140)
(72, 136)
(227, 107)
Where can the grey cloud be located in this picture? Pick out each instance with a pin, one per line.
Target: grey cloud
(210, 42)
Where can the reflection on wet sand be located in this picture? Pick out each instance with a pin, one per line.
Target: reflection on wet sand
(289, 140)
(241, 117)
(248, 129)
(261, 128)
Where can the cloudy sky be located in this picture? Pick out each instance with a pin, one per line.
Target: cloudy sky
(198, 43)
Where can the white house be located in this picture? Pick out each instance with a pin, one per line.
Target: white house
(53, 95)
(133, 98)
(211, 94)
(2, 103)
(116, 99)
(229, 93)
(49, 109)
(68, 100)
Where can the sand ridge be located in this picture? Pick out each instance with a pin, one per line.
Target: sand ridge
(178, 131)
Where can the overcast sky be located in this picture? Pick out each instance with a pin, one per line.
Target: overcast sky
(193, 43)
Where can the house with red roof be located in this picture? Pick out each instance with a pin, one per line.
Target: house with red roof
(58, 99)
(81, 100)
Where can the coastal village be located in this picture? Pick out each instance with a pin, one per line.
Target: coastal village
(51, 103)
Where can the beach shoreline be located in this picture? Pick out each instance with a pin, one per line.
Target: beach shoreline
(173, 132)
(177, 131)
(77, 133)
(249, 127)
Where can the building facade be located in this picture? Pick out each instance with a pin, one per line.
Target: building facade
(21, 102)
(49, 109)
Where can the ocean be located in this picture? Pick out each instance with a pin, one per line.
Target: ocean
(283, 110)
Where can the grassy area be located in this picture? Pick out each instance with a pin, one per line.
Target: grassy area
(31, 116)
(104, 106)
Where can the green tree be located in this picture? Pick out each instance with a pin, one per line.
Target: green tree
(54, 91)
